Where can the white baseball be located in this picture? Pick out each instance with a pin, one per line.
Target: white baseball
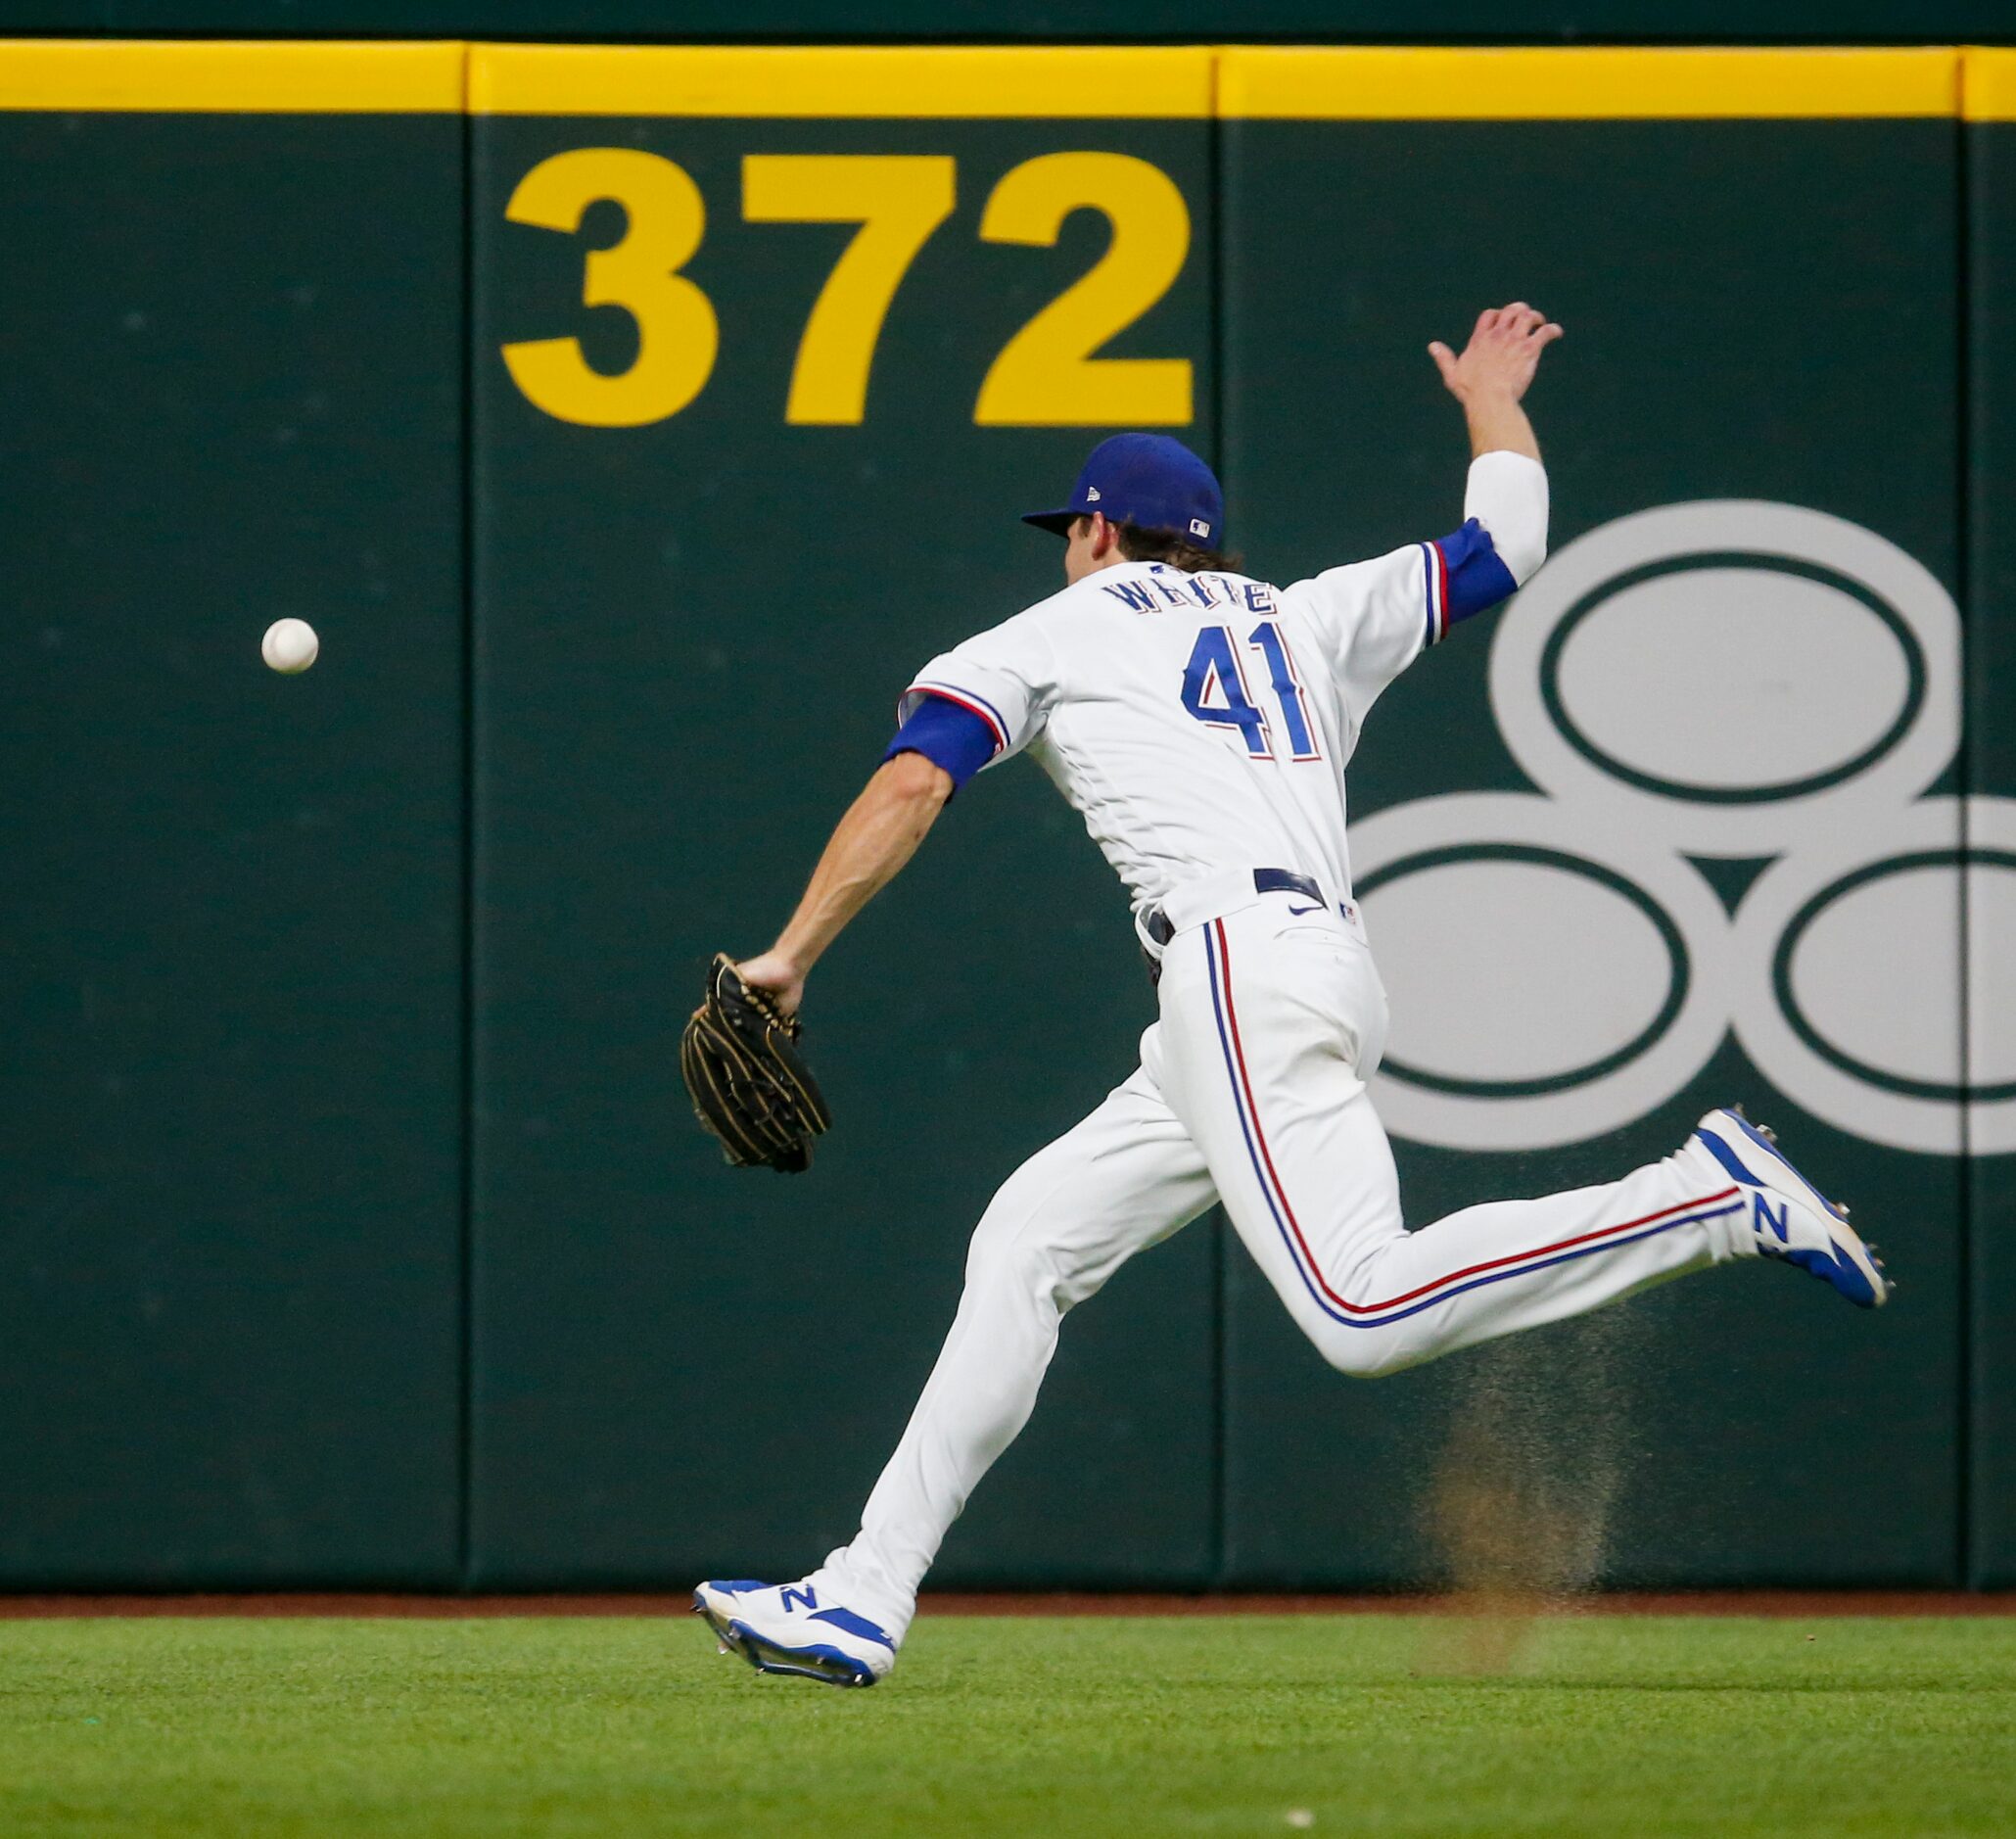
(290, 645)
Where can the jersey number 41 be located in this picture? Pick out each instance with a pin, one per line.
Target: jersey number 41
(1215, 690)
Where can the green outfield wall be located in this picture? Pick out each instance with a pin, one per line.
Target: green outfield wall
(630, 422)
(234, 937)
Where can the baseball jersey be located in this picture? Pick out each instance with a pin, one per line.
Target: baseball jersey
(1201, 723)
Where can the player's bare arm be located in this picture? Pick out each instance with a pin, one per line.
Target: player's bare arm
(869, 848)
(1493, 373)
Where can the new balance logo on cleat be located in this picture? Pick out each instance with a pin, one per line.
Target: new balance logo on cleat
(1791, 1219)
(784, 1630)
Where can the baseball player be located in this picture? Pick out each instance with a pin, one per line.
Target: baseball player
(1201, 718)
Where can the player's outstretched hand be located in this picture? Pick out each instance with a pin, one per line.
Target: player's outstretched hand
(1501, 355)
(779, 975)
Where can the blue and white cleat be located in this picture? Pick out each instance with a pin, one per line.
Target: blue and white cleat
(787, 1628)
(1789, 1217)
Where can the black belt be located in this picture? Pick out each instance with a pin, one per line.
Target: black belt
(1155, 922)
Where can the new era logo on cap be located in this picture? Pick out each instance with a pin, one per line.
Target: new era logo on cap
(1151, 480)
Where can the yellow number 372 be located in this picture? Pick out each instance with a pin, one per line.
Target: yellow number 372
(1045, 376)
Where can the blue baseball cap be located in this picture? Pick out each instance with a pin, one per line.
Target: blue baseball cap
(1149, 480)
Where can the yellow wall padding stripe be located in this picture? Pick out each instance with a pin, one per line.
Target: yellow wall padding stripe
(295, 77)
(1988, 90)
(1152, 82)
(1583, 84)
(921, 81)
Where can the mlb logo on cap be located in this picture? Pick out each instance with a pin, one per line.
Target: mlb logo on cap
(1151, 480)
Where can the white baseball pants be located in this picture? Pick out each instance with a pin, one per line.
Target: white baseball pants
(1251, 1091)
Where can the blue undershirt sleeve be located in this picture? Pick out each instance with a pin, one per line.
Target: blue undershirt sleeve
(1478, 578)
(946, 735)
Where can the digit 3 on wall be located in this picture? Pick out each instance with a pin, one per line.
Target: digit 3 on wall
(1725, 679)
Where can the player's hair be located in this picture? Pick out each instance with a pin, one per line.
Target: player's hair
(1173, 547)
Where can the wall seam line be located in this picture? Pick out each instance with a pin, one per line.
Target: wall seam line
(466, 1415)
(1966, 429)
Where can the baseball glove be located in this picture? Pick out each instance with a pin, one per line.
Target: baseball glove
(749, 1083)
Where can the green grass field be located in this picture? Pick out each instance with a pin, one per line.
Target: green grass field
(1064, 1728)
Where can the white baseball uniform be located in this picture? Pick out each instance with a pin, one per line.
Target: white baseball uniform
(1201, 724)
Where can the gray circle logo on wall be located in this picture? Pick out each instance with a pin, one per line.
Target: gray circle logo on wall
(1724, 678)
